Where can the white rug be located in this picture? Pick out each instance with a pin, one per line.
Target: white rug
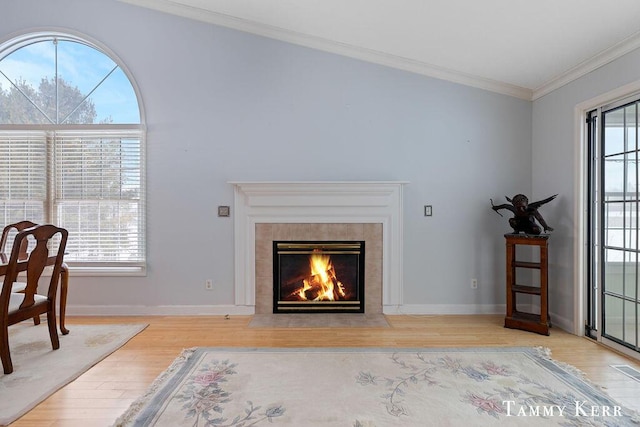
(305, 387)
(38, 370)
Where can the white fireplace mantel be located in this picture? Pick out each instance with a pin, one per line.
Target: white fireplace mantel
(318, 202)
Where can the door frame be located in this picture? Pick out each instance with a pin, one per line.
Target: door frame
(581, 207)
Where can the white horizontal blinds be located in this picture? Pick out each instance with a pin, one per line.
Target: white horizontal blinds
(98, 195)
(23, 176)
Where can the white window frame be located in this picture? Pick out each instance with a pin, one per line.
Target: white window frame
(118, 268)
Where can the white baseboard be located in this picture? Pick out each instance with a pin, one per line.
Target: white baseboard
(417, 309)
(162, 310)
(237, 310)
(213, 310)
(563, 323)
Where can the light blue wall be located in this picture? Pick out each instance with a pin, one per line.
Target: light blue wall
(556, 163)
(222, 105)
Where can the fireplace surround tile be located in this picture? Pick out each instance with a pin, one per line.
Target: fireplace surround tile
(266, 233)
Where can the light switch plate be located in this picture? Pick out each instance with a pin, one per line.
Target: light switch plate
(427, 210)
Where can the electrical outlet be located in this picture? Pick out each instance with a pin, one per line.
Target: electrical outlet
(474, 283)
(208, 284)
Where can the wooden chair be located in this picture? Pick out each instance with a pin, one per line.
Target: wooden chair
(17, 307)
(18, 227)
(24, 253)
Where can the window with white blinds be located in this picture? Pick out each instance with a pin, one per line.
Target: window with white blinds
(72, 150)
(23, 176)
(90, 183)
(98, 194)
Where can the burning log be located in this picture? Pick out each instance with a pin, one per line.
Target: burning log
(311, 291)
(297, 280)
(315, 288)
(322, 284)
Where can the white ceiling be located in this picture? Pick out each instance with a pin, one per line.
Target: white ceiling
(523, 48)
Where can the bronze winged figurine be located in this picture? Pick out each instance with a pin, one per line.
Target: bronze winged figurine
(525, 214)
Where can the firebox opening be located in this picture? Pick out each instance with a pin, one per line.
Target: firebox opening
(318, 276)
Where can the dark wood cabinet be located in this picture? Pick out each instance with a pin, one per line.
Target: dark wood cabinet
(533, 322)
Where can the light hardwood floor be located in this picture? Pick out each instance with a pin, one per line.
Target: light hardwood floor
(104, 392)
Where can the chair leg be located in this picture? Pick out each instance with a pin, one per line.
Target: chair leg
(53, 328)
(4, 351)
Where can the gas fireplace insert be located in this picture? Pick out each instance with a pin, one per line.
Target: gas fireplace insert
(318, 276)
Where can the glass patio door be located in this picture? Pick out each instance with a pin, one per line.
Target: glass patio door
(615, 224)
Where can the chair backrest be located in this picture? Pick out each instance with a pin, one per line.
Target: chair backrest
(39, 257)
(7, 231)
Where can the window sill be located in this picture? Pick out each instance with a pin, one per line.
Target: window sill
(137, 270)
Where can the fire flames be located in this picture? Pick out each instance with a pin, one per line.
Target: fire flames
(322, 284)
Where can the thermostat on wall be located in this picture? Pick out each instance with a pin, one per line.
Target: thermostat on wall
(223, 210)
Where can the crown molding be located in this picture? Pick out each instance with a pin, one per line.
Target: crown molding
(608, 55)
(330, 46)
(388, 60)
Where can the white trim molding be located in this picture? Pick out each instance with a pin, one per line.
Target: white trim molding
(394, 61)
(629, 44)
(325, 45)
(318, 202)
(448, 309)
(158, 310)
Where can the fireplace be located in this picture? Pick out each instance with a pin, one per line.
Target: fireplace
(370, 211)
(318, 276)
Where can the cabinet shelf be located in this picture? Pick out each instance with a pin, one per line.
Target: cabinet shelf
(527, 264)
(532, 322)
(531, 290)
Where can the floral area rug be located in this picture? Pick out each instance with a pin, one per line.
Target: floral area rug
(373, 388)
(38, 371)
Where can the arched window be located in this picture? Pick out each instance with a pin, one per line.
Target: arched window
(72, 148)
